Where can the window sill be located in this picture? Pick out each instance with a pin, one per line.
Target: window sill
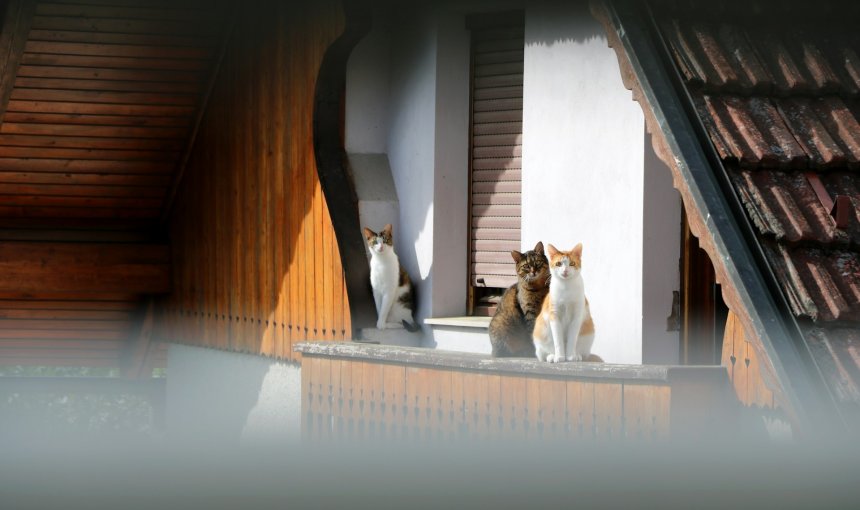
(460, 322)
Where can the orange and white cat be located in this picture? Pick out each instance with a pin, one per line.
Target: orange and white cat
(564, 329)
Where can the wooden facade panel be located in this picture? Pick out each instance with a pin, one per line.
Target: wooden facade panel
(36, 268)
(257, 266)
(398, 400)
(740, 359)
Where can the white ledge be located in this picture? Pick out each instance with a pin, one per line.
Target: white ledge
(460, 322)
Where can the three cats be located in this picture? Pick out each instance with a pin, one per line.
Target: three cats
(564, 330)
(512, 325)
(393, 292)
(545, 314)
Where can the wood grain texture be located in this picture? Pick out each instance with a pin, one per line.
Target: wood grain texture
(34, 267)
(257, 265)
(398, 399)
(740, 359)
(83, 86)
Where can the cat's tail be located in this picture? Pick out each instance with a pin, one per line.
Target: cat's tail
(412, 328)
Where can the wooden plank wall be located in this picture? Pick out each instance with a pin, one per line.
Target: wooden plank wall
(255, 259)
(101, 98)
(741, 360)
(353, 399)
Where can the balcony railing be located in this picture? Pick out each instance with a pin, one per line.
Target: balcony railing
(354, 391)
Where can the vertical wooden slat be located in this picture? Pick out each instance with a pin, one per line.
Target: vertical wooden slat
(335, 400)
(372, 384)
(580, 409)
(551, 409)
(513, 403)
(475, 397)
(532, 411)
(646, 411)
(394, 387)
(608, 411)
(258, 266)
(309, 401)
(355, 424)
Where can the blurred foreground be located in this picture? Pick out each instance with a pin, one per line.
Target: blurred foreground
(71, 474)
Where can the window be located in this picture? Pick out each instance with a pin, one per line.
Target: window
(495, 155)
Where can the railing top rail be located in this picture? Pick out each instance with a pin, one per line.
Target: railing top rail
(654, 374)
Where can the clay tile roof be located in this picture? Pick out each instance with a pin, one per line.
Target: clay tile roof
(779, 96)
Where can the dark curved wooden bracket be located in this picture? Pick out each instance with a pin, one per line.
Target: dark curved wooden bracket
(337, 184)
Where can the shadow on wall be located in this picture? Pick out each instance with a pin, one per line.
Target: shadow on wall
(256, 262)
(576, 24)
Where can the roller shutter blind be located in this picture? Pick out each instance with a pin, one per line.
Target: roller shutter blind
(496, 149)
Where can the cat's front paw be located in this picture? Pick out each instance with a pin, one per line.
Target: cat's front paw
(575, 357)
(381, 325)
(552, 358)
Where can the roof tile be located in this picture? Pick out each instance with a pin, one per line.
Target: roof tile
(751, 131)
(757, 59)
(784, 204)
(811, 132)
(837, 353)
(820, 285)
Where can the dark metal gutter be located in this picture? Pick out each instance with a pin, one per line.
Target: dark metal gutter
(803, 387)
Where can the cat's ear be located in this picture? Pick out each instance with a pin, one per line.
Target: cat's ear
(539, 247)
(551, 250)
(517, 256)
(368, 233)
(577, 250)
(387, 229)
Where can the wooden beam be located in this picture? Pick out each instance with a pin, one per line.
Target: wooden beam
(13, 37)
(35, 268)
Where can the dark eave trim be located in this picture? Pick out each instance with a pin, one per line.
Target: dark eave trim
(335, 178)
(802, 384)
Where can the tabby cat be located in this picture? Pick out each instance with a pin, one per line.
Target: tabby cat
(564, 329)
(393, 292)
(511, 327)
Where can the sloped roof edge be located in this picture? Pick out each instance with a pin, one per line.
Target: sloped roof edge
(787, 363)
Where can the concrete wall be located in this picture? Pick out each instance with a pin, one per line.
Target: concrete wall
(661, 245)
(223, 398)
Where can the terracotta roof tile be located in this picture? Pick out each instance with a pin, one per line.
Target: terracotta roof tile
(750, 131)
(820, 285)
(717, 56)
(837, 353)
(761, 59)
(823, 130)
(784, 204)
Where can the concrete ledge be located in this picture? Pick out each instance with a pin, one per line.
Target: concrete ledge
(460, 322)
(399, 337)
(479, 362)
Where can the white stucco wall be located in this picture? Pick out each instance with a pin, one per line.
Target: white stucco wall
(661, 232)
(222, 398)
(407, 96)
(582, 166)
